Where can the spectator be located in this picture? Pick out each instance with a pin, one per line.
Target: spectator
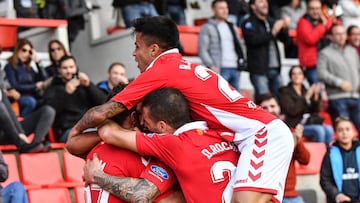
(353, 37)
(294, 11)
(56, 50)
(302, 106)
(275, 8)
(116, 76)
(132, 9)
(339, 69)
(175, 9)
(219, 44)
(261, 33)
(300, 154)
(14, 132)
(22, 77)
(351, 13)
(339, 174)
(74, 89)
(26, 8)
(15, 191)
(311, 29)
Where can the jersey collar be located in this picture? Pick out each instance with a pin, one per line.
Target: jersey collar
(190, 126)
(174, 50)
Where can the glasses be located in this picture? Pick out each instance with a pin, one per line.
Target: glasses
(54, 49)
(27, 50)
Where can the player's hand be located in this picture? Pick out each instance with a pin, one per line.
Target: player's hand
(91, 168)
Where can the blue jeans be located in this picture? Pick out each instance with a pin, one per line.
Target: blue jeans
(232, 75)
(14, 193)
(177, 14)
(321, 133)
(131, 12)
(348, 107)
(270, 82)
(27, 105)
(297, 199)
(311, 75)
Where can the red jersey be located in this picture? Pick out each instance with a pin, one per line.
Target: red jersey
(201, 160)
(124, 163)
(210, 96)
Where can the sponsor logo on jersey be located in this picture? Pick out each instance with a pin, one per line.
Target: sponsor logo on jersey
(159, 171)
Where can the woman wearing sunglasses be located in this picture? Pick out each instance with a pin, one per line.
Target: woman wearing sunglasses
(56, 50)
(23, 78)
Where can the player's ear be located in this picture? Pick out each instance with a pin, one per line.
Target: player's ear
(162, 126)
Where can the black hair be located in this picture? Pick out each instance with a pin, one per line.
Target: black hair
(350, 28)
(296, 66)
(121, 117)
(264, 97)
(215, 2)
(159, 30)
(169, 105)
(65, 58)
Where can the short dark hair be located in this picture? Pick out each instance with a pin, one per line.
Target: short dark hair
(115, 64)
(215, 2)
(65, 58)
(169, 105)
(159, 30)
(350, 28)
(264, 97)
(333, 27)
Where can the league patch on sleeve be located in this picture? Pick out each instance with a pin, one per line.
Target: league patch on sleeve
(159, 171)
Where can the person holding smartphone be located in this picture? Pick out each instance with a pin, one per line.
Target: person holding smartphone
(71, 94)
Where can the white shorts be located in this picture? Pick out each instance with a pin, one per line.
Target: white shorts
(264, 160)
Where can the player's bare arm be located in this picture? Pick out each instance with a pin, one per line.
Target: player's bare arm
(96, 116)
(128, 189)
(112, 133)
(81, 144)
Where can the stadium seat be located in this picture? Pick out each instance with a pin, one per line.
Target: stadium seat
(8, 36)
(10, 160)
(53, 195)
(73, 167)
(43, 170)
(317, 151)
(79, 194)
(189, 42)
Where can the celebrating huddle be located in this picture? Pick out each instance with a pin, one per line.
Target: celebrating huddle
(199, 125)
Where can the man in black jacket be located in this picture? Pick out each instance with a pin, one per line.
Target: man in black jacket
(261, 33)
(71, 94)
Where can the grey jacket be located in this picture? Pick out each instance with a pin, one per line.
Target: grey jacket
(209, 43)
(335, 66)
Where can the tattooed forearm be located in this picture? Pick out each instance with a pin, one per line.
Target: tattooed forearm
(128, 189)
(98, 114)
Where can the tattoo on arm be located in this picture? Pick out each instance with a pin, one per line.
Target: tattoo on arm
(98, 114)
(128, 189)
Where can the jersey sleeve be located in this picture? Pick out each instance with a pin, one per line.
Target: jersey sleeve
(166, 148)
(145, 83)
(160, 175)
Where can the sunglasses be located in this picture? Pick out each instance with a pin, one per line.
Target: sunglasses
(27, 50)
(54, 49)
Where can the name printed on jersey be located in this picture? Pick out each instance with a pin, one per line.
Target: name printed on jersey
(217, 148)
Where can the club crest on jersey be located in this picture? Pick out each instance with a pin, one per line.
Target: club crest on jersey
(159, 171)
